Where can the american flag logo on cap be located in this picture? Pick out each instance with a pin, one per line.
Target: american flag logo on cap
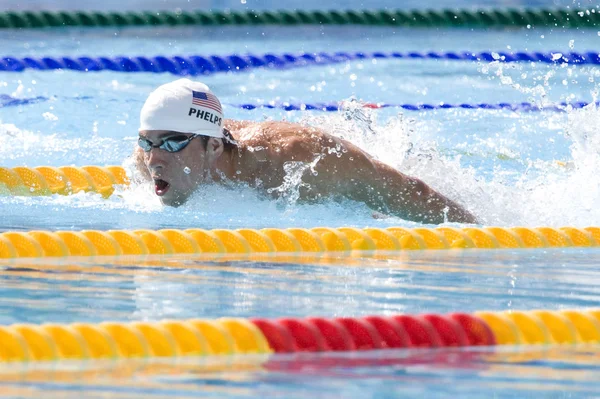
(207, 100)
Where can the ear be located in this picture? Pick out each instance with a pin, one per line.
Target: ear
(214, 149)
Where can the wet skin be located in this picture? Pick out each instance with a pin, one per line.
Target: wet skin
(338, 169)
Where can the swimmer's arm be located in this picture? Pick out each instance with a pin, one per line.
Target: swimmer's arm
(410, 197)
(358, 176)
(386, 190)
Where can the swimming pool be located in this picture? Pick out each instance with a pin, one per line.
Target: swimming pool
(501, 164)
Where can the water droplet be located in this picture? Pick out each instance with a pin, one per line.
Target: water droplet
(187, 170)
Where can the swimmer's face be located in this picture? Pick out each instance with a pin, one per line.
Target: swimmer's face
(175, 175)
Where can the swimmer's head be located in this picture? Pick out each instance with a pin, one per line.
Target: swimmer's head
(181, 134)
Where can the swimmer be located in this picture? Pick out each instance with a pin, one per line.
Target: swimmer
(185, 142)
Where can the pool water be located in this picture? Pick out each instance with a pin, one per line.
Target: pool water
(500, 164)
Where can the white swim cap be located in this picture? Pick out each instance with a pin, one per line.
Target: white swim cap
(183, 106)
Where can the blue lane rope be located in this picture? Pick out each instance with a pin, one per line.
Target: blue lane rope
(330, 107)
(198, 65)
(8, 101)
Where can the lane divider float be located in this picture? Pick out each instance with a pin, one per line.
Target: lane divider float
(312, 241)
(226, 336)
(203, 65)
(336, 106)
(64, 180)
(8, 101)
(510, 17)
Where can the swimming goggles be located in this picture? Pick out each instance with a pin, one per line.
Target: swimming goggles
(173, 143)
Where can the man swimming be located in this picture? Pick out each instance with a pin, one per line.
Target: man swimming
(185, 142)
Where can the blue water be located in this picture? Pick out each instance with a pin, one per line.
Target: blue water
(498, 163)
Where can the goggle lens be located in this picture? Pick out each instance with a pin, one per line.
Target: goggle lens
(169, 144)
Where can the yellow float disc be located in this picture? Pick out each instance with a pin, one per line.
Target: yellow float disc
(69, 342)
(309, 240)
(407, 238)
(129, 341)
(79, 179)
(258, 241)
(156, 243)
(119, 174)
(457, 238)
(595, 313)
(160, 341)
(26, 246)
(33, 180)
(207, 241)
(532, 328)
(555, 238)
(433, 239)
(530, 237)
(359, 240)
(57, 180)
(40, 343)
(580, 237)
(248, 338)
(505, 330)
(560, 327)
(283, 240)
(384, 240)
(13, 347)
(103, 179)
(333, 239)
(78, 244)
(482, 238)
(7, 249)
(105, 244)
(182, 242)
(52, 243)
(506, 237)
(233, 241)
(594, 232)
(587, 326)
(218, 337)
(12, 181)
(189, 341)
(99, 343)
(130, 243)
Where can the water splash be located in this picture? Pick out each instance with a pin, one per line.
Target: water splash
(289, 190)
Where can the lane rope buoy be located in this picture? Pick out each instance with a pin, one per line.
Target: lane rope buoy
(205, 65)
(428, 18)
(311, 241)
(205, 337)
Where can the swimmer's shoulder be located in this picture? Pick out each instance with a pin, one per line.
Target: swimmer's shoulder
(280, 136)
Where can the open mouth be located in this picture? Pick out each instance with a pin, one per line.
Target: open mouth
(160, 187)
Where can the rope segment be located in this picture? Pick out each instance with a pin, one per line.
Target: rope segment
(226, 336)
(444, 18)
(313, 241)
(203, 65)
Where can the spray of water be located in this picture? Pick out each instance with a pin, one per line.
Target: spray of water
(537, 191)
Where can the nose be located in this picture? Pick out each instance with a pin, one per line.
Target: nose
(156, 159)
